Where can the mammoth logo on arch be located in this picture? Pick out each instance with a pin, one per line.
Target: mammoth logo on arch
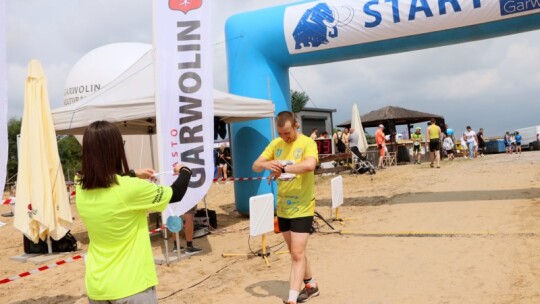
(184, 5)
(320, 23)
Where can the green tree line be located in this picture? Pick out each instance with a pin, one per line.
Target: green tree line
(69, 150)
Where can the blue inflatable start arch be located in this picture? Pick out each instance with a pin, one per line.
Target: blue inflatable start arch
(262, 45)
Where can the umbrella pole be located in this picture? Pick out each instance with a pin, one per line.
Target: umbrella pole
(49, 244)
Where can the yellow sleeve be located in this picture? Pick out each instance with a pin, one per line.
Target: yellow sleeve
(311, 150)
(268, 152)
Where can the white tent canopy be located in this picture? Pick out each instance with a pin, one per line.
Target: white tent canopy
(129, 102)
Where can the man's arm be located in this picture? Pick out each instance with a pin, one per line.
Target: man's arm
(262, 163)
(307, 165)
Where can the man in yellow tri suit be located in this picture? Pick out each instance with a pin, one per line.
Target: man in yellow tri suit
(434, 135)
(291, 158)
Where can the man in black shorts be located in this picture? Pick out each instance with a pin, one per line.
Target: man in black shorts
(434, 135)
(295, 156)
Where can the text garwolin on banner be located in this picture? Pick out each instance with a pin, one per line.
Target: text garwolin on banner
(184, 94)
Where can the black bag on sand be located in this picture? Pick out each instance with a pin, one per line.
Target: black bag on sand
(31, 247)
(66, 244)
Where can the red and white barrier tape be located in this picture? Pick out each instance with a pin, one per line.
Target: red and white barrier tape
(157, 229)
(54, 265)
(239, 179)
(42, 268)
(215, 180)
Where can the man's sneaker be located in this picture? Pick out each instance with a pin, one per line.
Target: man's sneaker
(193, 250)
(174, 248)
(307, 293)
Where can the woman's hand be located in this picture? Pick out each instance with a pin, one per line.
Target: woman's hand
(177, 168)
(146, 173)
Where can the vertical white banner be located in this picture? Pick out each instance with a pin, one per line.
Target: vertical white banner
(261, 214)
(337, 191)
(184, 94)
(3, 97)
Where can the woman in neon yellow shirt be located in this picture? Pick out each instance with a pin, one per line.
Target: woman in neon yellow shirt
(113, 204)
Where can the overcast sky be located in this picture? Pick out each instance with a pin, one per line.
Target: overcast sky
(494, 84)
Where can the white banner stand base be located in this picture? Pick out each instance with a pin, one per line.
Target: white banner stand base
(261, 221)
(40, 259)
(337, 197)
(167, 259)
(22, 258)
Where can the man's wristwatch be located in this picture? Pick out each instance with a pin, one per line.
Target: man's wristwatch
(132, 173)
(283, 168)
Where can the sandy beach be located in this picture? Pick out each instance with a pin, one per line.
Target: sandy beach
(468, 232)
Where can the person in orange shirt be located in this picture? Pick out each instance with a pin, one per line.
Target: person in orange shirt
(381, 143)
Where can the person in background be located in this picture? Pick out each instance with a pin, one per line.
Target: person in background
(464, 148)
(189, 228)
(481, 142)
(113, 201)
(448, 146)
(324, 135)
(380, 141)
(512, 142)
(475, 145)
(518, 138)
(293, 152)
(417, 139)
(346, 139)
(434, 134)
(507, 143)
(353, 143)
(224, 159)
(470, 137)
(77, 177)
(449, 132)
(314, 133)
(338, 141)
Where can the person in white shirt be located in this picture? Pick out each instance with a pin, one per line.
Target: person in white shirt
(448, 146)
(464, 146)
(470, 136)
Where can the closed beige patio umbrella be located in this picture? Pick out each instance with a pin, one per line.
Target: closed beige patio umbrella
(356, 123)
(42, 207)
